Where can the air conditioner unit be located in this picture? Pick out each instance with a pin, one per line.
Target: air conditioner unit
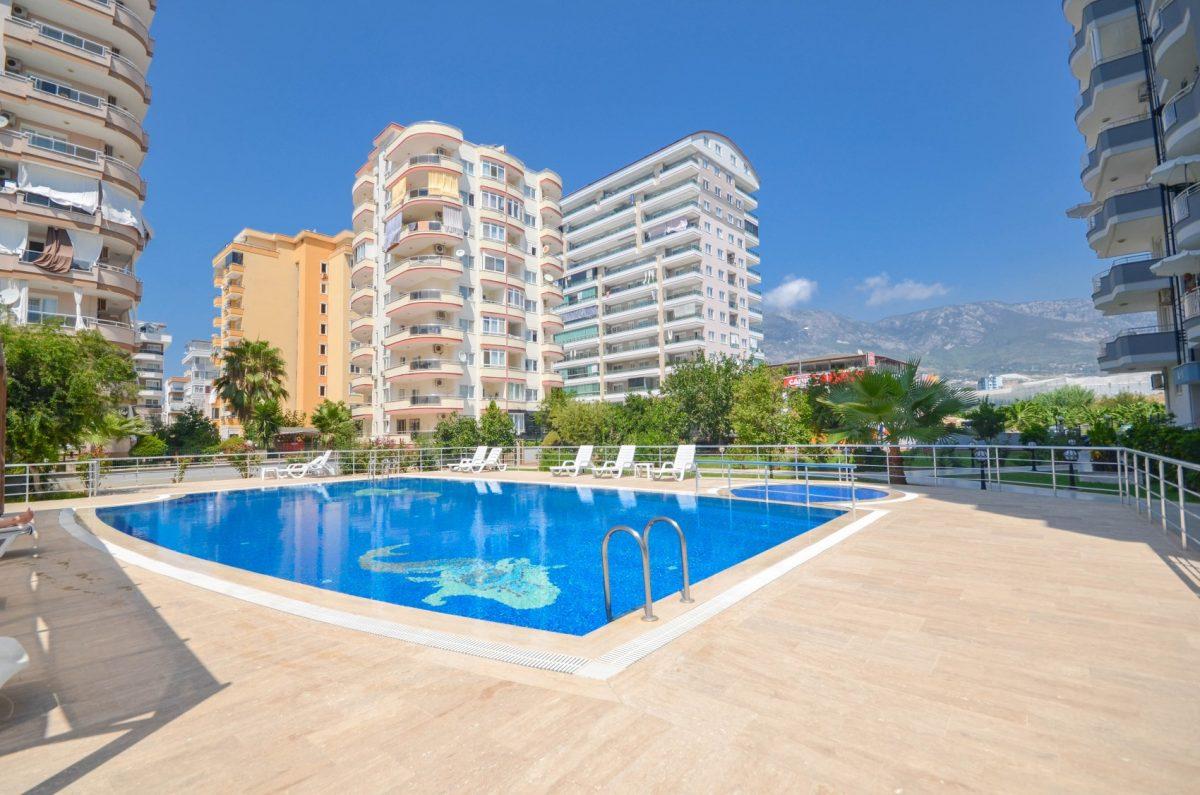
(8, 119)
(1156, 381)
(20, 12)
(437, 382)
(5, 174)
(13, 65)
(437, 348)
(439, 249)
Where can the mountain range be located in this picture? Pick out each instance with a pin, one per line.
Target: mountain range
(960, 341)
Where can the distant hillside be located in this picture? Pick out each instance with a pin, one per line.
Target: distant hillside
(962, 340)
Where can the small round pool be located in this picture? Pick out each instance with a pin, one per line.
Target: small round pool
(803, 494)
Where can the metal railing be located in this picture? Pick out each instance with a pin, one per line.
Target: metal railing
(1164, 489)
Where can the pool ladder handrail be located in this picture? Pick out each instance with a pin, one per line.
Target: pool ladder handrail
(643, 542)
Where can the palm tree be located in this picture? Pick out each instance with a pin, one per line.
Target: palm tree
(252, 372)
(264, 423)
(893, 407)
(115, 427)
(335, 423)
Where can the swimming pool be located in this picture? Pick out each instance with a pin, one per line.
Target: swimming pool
(516, 553)
(805, 493)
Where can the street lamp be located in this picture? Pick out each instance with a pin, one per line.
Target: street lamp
(980, 454)
(1032, 453)
(799, 355)
(1071, 455)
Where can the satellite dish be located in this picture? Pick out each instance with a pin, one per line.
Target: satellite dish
(462, 357)
(10, 296)
(4, 120)
(458, 252)
(549, 279)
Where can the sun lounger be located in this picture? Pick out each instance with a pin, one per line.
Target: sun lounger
(616, 469)
(466, 464)
(685, 461)
(583, 457)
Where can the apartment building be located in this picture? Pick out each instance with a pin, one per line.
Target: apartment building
(660, 268)
(199, 372)
(292, 292)
(175, 400)
(73, 97)
(455, 263)
(1137, 63)
(148, 359)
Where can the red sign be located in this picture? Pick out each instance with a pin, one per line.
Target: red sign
(793, 381)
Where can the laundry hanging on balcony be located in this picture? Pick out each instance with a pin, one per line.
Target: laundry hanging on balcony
(61, 187)
(119, 206)
(14, 236)
(87, 247)
(58, 253)
(391, 232)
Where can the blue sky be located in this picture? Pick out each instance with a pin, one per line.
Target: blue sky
(911, 154)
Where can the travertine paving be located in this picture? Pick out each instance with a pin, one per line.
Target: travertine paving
(967, 641)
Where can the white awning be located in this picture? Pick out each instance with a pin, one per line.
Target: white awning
(87, 246)
(14, 236)
(1182, 263)
(1180, 171)
(64, 187)
(119, 206)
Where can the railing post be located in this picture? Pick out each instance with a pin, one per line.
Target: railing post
(1053, 474)
(935, 477)
(1149, 493)
(1121, 475)
(1137, 486)
(1182, 495)
(1162, 495)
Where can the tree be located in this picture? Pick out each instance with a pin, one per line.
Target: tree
(335, 423)
(252, 372)
(149, 446)
(293, 418)
(764, 413)
(703, 391)
(988, 421)
(264, 424)
(897, 407)
(60, 387)
(115, 427)
(496, 427)
(645, 420)
(456, 431)
(191, 432)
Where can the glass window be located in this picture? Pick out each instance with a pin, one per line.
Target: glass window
(492, 170)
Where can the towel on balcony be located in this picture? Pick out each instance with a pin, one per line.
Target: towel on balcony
(58, 254)
(61, 187)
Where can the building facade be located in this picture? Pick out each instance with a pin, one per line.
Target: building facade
(455, 266)
(293, 292)
(175, 401)
(199, 372)
(148, 359)
(73, 97)
(816, 366)
(660, 268)
(1137, 64)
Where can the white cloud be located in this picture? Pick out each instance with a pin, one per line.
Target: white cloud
(793, 292)
(882, 290)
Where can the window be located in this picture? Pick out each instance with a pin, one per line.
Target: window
(324, 268)
(707, 185)
(708, 270)
(466, 391)
(468, 167)
(324, 308)
(492, 201)
(708, 291)
(321, 391)
(531, 365)
(41, 308)
(494, 325)
(324, 330)
(707, 206)
(493, 358)
(710, 336)
(710, 313)
(723, 319)
(321, 349)
(708, 248)
(707, 226)
(491, 170)
(493, 231)
(723, 338)
(516, 209)
(322, 370)
(468, 261)
(515, 391)
(465, 324)
(494, 264)
(467, 198)
(324, 288)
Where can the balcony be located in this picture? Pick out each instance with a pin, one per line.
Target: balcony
(1181, 123)
(1111, 12)
(430, 334)
(417, 302)
(1127, 222)
(363, 384)
(1138, 350)
(423, 404)
(1174, 45)
(361, 352)
(418, 163)
(1122, 157)
(418, 269)
(1186, 209)
(552, 350)
(416, 235)
(550, 185)
(1115, 91)
(424, 368)
(1190, 306)
(362, 300)
(1128, 286)
(361, 328)
(362, 272)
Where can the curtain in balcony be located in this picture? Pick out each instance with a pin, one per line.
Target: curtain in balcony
(391, 232)
(452, 218)
(87, 247)
(14, 236)
(63, 187)
(58, 254)
(119, 206)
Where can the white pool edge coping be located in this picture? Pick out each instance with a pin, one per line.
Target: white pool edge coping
(603, 667)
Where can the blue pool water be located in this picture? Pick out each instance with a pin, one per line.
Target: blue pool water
(801, 493)
(523, 554)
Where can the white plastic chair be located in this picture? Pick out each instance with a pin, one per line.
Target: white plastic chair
(685, 461)
(491, 462)
(583, 458)
(617, 468)
(465, 464)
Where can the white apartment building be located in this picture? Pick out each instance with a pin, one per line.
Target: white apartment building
(72, 99)
(148, 358)
(199, 372)
(661, 268)
(454, 278)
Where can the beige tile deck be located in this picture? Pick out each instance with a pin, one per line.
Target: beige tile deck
(966, 641)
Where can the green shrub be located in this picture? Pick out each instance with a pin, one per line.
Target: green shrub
(148, 447)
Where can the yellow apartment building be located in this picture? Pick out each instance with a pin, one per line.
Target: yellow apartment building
(294, 293)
